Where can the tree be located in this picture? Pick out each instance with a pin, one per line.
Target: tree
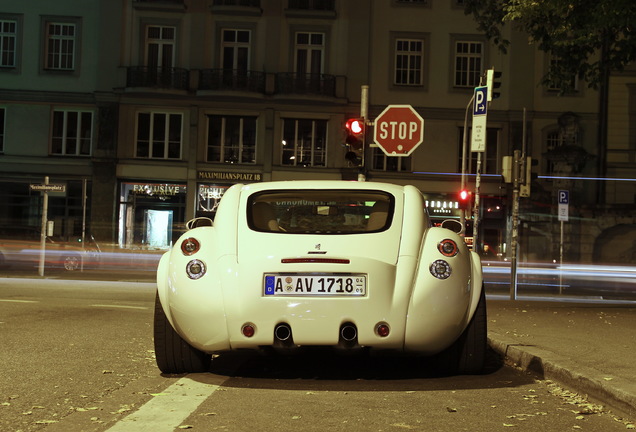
(588, 38)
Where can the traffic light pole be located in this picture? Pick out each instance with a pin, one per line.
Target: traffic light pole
(515, 225)
(519, 177)
(364, 111)
(462, 213)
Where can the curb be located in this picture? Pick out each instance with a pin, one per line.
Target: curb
(582, 379)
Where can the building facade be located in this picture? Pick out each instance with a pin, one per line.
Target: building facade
(149, 110)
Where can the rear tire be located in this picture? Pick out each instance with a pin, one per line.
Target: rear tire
(467, 355)
(173, 354)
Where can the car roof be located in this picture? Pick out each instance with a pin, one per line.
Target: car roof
(323, 184)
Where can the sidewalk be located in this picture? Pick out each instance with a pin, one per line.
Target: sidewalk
(588, 348)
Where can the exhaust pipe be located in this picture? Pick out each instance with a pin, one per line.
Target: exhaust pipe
(348, 332)
(282, 332)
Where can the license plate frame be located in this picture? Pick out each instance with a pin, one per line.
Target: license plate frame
(315, 284)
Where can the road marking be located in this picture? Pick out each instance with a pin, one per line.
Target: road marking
(119, 306)
(19, 301)
(167, 410)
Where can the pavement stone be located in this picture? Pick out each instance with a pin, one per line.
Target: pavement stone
(587, 347)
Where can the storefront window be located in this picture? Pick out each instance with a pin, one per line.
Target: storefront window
(209, 198)
(151, 214)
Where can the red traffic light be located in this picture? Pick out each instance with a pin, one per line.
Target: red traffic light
(463, 198)
(355, 126)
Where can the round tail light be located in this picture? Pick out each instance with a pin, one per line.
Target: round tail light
(382, 329)
(195, 269)
(448, 248)
(190, 246)
(248, 330)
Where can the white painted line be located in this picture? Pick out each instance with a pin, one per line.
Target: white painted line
(167, 410)
(18, 301)
(119, 306)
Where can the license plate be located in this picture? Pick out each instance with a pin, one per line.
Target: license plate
(315, 284)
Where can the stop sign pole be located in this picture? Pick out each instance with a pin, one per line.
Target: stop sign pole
(398, 130)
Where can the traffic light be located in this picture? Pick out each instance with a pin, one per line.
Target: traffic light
(355, 134)
(463, 199)
(492, 83)
(527, 176)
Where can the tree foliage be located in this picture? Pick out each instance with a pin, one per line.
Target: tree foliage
(589, 38)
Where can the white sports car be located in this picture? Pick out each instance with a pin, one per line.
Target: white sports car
(338, 264)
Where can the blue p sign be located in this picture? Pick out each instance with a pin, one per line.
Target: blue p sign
(564, 197)
(480, 106)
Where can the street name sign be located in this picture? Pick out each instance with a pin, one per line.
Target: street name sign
(398, 130)
(48, 187)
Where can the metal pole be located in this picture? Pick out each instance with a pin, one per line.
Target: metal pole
(476, 247)
(515, 226)
(83, 222)
(364, 112)
(45, 209)
(561, 262)
(462, 213)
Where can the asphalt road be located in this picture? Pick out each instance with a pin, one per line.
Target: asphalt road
(78, 356)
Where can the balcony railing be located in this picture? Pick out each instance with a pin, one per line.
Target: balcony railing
(228, 79)
(169, 78)
(324, 5)
(317, 84)
(248, 3)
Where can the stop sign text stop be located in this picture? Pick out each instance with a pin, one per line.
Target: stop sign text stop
(398, 130)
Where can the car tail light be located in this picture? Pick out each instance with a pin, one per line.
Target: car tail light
(382, 329)
(440, 269)
(195, 269)
(315, 260)
(190, 246)
(248, 330)
(448, 248)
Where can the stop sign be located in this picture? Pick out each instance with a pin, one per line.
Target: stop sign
(398, 131)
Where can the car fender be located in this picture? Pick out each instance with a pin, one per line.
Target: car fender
(440, 309)
(195, 307)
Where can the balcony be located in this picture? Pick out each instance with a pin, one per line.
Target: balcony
(324, 5)
(164, 78)
(234, 80)
(247, 3)
(314, 84)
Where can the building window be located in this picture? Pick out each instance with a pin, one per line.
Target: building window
(8, 43)
(382, 162)
(409, 62)
(309, 51)
(159, 135)
(2, 129)
(235, 50)
(468, 63)
(72, 133)
(60, 46)
(160, 46)
(304, 142)
(231, 139)
(558, 84)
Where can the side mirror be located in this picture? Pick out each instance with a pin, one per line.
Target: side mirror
(453, 225)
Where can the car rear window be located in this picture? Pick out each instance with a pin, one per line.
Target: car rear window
(320, 211)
